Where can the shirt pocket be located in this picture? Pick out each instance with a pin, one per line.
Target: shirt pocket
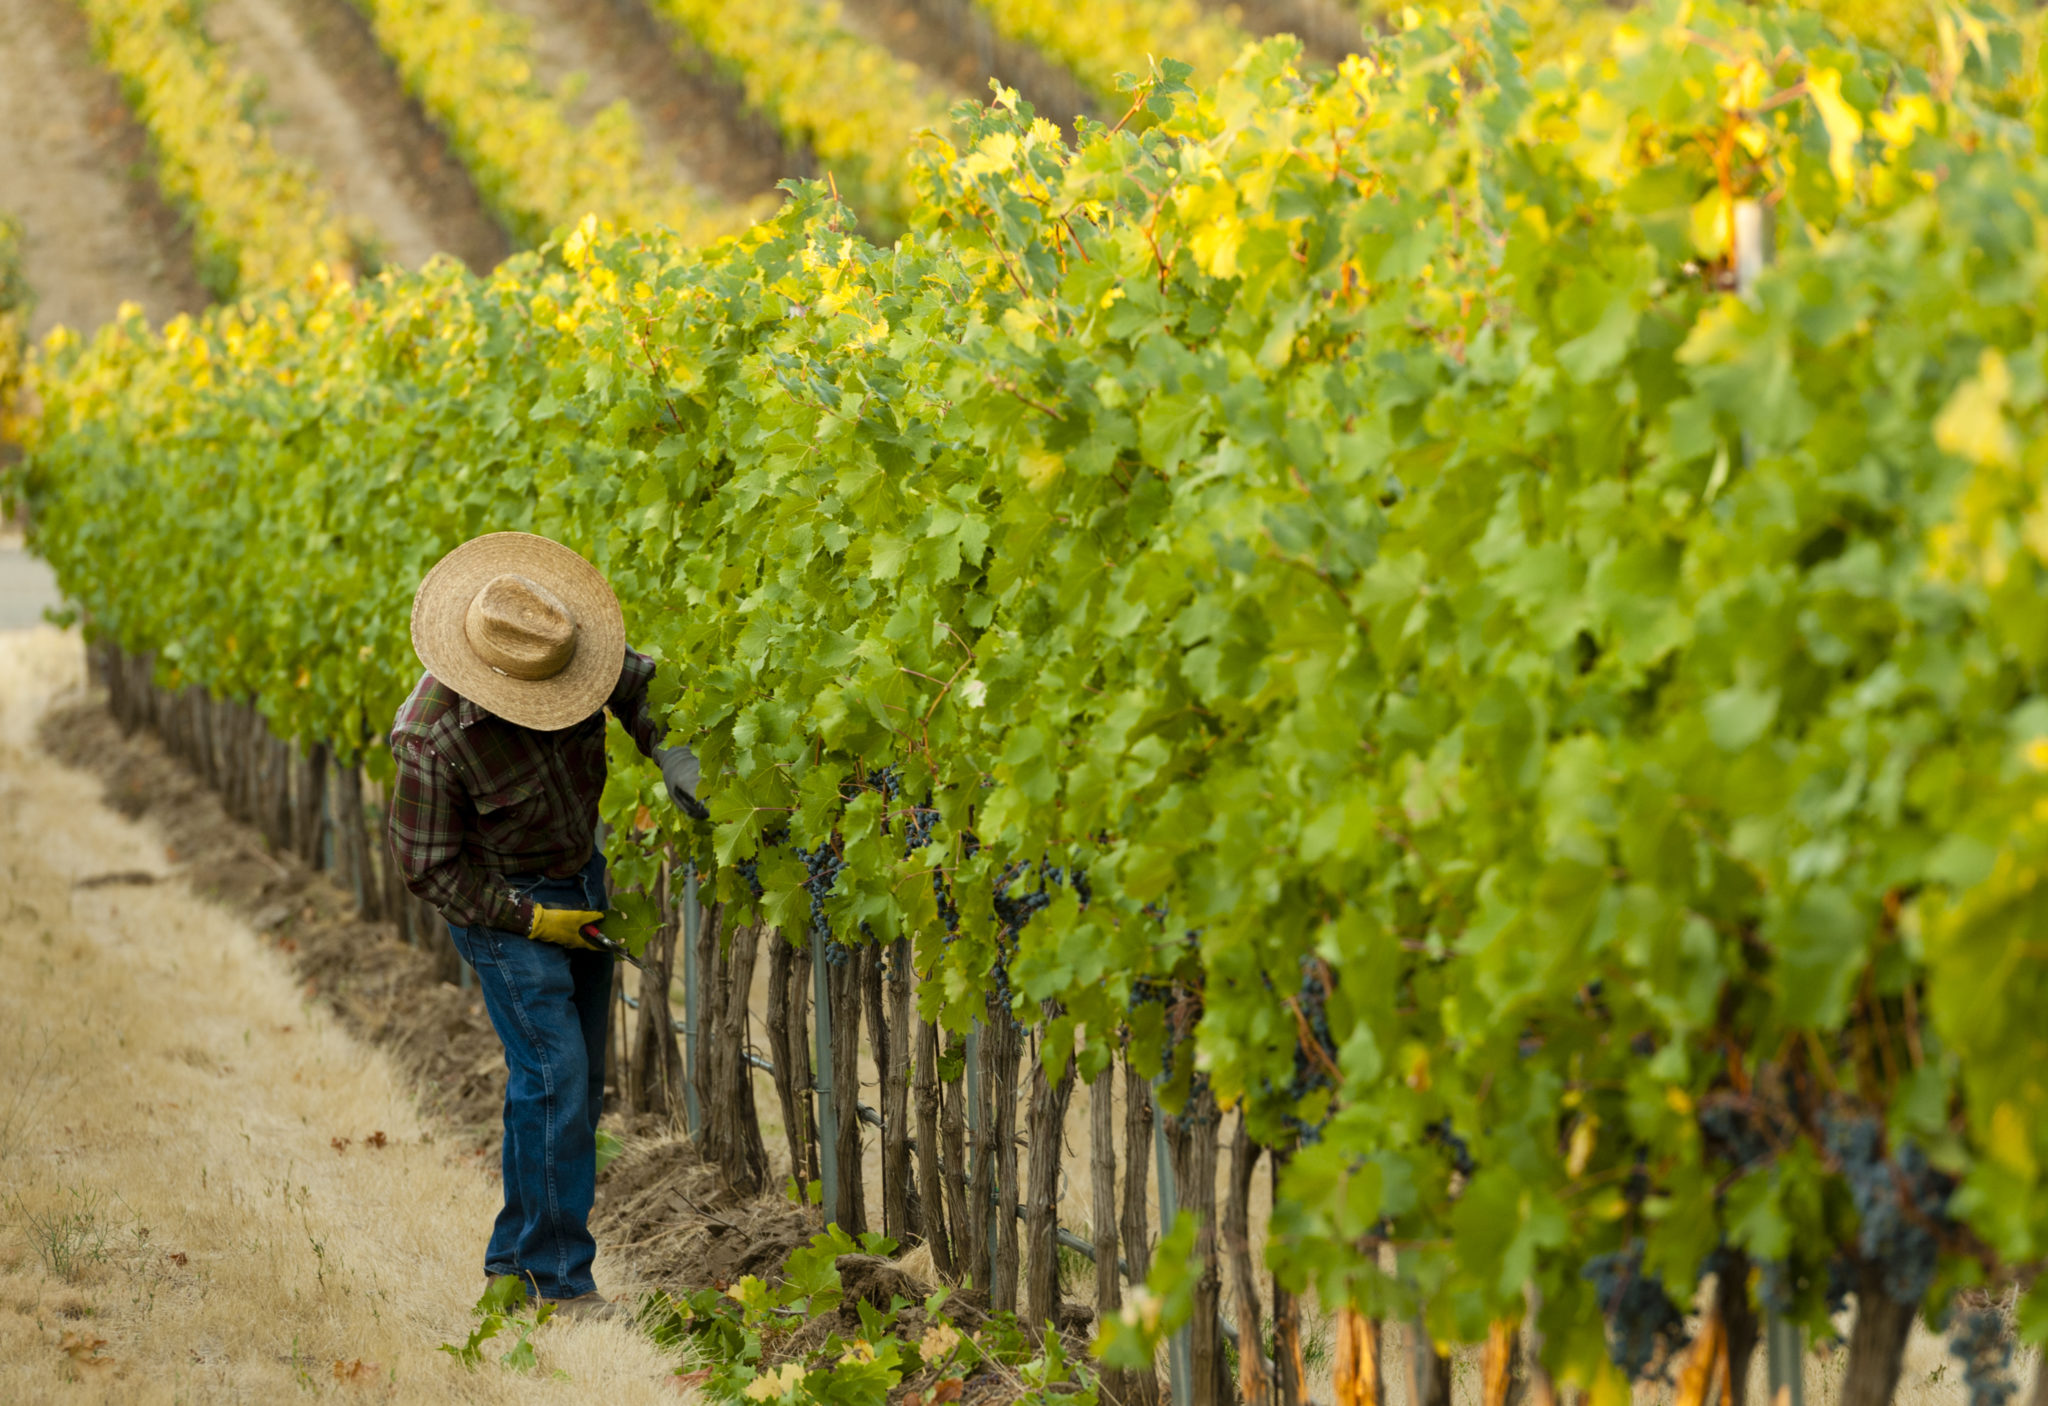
(508, 801)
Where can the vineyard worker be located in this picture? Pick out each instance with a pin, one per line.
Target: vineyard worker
(501, 759)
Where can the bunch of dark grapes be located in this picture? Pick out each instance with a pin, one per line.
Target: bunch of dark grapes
(1311, 1074)
(1147, 993)
(821, 872)
(1013, 911)
(750, 870)
(1983, 1342)
(917, 833)
(1897, 1202)
(1643, 1326)
(1731, 1133)
(1460, 1155)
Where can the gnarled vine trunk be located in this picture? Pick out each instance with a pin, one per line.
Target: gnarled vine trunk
(1877, 1341)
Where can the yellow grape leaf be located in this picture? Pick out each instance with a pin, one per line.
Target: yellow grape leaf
(1585, 1137)
(1844, 123)
(1215, 246)
(995, 153)
(1973, 425)
(1039, 467)
(2010, 1146)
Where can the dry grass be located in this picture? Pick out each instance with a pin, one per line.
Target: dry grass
(176, 1222)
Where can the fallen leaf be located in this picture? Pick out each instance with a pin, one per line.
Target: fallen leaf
(690, 1381)
(179, 1258)
(355, 1372)
(83, 1348)
(376, 1139)
(947, 1390)
(339, 1144)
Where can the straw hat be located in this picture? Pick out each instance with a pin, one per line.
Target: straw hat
(523, 627)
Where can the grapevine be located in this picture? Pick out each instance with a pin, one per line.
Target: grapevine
(1540, 729)
(260, 221)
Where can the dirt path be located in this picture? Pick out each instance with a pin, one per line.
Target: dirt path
(208, 1189)
(958, 50)
(332, 101)
(27, 585)
(95, 236)
(695, 133)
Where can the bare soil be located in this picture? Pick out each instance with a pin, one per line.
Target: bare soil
(332, 100)
(381, 988)
(1328, 29)
(953, 41)
(689, 115)
(71, 164)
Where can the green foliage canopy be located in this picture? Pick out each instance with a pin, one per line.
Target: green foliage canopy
(1355, 522)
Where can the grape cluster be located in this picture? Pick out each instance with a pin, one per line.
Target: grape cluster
(917, 833)
(821, 872)
(1311, 1075)
(1731, 1133)
(1460, 1155)
(750, 870)
(1013, 911)
(1643, 1325)
(1898, 1202)
(917, 827)
(1984, 1344)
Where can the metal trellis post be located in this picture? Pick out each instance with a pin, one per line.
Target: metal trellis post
(828, 1113)
(1180, 1361)
(978, 1146)
(692, 916)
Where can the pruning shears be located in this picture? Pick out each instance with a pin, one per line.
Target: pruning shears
(594, 935)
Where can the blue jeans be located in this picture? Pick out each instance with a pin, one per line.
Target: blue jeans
(551, 1007)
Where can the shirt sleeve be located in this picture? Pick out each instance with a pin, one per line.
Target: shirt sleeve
(427, 800)
(628, 703)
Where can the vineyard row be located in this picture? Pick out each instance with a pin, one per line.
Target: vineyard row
(1337, 601)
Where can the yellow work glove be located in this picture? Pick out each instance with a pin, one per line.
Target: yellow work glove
(562, 926)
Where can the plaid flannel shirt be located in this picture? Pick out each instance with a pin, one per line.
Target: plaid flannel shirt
(477, 797)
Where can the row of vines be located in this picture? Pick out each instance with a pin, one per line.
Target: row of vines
(258, 218)
(1330, 606)
(470, 64)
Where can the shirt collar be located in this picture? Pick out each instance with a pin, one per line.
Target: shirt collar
(468, 714)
